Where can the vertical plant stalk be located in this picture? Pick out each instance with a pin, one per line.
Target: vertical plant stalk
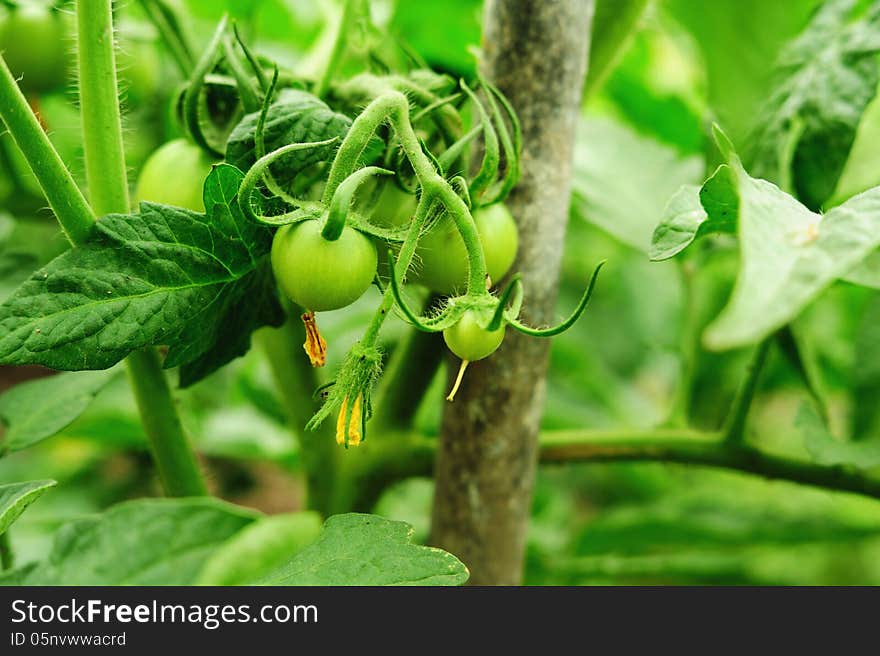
(65, 199)
(735, 426)
(108, 193)
(6, 558)
(296, 382)
(535, 52)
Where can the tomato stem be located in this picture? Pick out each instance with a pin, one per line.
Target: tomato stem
(6, 556)
(101, 121)
(65, 198)
(108, 188)
(393, 107)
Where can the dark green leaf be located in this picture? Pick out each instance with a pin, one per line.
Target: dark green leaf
(614, 22)
(15, 497)
(357, 549)
(35, 410)
(144, 542)
(694, 212)
(826, 78)
(163, 276)
(296, 117)
(260, 548)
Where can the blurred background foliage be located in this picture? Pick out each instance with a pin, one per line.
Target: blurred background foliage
(642, 135)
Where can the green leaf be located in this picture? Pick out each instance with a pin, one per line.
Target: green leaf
(357, 549)
(296, 117)
(694, 212)
(826, 78)
(260, 548)
(143, 542)
(35, 410)
(163, 276)
(17, 576)
(827, 450)
(866, 274)
(788, 256)
(610, 192)
(738, 40)
(866, 374)
(614, 23)
(15, 497)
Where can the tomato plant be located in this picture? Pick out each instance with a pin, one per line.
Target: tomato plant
(223, 189)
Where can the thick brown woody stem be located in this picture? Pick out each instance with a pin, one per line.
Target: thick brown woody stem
(535, 51)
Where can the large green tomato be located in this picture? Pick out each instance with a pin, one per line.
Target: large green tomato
(469, 341)
(441, 257)
(175, 175)
(34, 40)
(322, 275)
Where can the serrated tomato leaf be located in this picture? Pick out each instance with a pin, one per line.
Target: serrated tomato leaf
(357, 549)
(295, 117)
(37, 409)
(259, 548)
(825, 79)
(161, 276)
(15, 497)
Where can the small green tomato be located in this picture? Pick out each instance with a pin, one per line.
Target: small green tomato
(470, 341)
(322, 275)
(34, 41)
(175, 175)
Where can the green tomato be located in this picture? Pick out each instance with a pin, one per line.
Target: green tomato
(441, 257)
(470, 341)
(175, 175)
(34, 42)
(322, 275)
(393, 206)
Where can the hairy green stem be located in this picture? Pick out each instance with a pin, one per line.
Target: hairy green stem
(65, 198)
(693, 448)
(410, 373)
(6, 557)
(735, 425)
(683, 446)
(393, 107)
(172, 453)
(108, 191)
(98, 97)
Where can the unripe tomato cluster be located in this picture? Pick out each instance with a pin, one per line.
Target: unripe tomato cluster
(322, 275)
